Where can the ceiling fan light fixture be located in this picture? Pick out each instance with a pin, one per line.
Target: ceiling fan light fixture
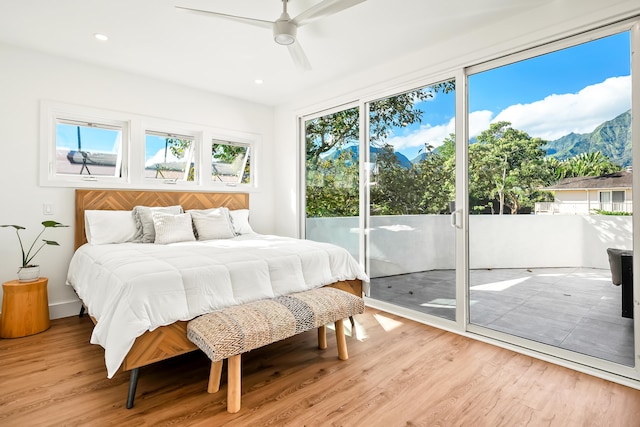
(284, 32)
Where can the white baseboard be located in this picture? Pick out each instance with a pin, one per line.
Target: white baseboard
(64, 309)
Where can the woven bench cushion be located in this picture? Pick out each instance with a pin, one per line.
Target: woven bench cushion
(241, 328)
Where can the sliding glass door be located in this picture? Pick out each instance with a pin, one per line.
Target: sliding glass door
(411, 193)
(332, 202)
(550, 143)
(496, 203)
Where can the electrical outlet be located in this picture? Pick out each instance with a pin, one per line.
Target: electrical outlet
(47, 208)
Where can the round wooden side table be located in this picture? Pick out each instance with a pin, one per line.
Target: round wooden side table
(25, 308)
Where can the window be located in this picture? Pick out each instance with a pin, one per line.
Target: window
(169, 157)
(617, 196)
(230, 162)
(83, 145)
(612, 196)
(613, 201)
(87, 147)
(90, 149)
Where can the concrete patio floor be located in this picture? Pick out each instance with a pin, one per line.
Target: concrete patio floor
(576, 309)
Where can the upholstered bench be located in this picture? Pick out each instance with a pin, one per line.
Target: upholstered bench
(228, 333)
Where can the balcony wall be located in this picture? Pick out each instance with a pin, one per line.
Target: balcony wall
(411, 243)
(581, 208)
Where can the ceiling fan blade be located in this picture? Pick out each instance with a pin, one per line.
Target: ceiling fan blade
(322, 9)
(251, 21)
(299, 57)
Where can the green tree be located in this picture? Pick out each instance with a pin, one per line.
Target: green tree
(227, 153)
(425, 188)
(332, 187)
(584, 164)
(178, 148)
(507, 166)
(339, 129)
(334, 133)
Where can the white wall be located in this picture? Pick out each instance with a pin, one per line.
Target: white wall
(28, 77)
(412, 243)
(438, 60)
(533, 241)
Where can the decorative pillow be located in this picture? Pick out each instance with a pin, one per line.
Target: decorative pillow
(212, 223)
(240, 221)
(143, 216)
(172, 228)
(104, 227)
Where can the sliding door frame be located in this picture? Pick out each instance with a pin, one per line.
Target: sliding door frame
(551, 353)
(629, 376)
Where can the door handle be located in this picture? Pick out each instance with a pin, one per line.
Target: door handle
(456, 219)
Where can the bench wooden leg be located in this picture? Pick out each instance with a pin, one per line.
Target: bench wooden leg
(233, 384)
(322, 337)
(342, 341)
(214, 377)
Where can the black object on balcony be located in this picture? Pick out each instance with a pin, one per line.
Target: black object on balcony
(621, 264)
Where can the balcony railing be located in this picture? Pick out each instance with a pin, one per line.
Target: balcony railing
(582, 208)
(412, 243)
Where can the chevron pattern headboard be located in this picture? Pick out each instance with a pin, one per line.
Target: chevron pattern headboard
(128, 199)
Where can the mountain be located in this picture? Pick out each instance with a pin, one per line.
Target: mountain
(612, 138)
(355, 150)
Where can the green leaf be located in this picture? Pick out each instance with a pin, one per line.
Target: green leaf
(17, 227)
(52, 224)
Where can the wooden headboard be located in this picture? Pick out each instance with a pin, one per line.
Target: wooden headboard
(128, 199)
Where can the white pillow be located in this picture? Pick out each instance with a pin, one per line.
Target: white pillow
(212, 224)
(240, 221)
(143, 215)
(172, 228)
(104, 227)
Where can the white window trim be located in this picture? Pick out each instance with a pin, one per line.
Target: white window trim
(178, 129)
(134, 131)
(50, 114)
(248, 157)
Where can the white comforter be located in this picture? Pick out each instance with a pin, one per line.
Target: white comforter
(131, 288)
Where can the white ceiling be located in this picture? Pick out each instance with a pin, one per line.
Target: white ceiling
(153, 38)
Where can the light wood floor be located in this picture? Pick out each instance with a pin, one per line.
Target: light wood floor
(400, 373)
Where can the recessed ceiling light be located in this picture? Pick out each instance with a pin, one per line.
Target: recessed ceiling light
(258, 81)
(101, 37)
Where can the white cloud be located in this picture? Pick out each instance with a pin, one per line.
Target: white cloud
(479, 121)
(159, 158)
(426, 134)
(549, 118)
(558, 115)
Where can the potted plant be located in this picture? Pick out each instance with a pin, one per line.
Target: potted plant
(29, 272)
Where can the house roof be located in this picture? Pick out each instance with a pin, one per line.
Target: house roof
(622, 179)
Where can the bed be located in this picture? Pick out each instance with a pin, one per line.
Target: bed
(168, 340)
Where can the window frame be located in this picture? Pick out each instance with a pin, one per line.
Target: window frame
(248, 158)
(51, 115)
(194, 153)
(134, 130)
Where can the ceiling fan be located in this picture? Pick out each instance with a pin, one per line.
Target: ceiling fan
(285, 28)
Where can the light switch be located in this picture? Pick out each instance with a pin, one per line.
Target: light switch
(47, 208)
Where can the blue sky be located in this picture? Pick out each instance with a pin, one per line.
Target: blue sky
(107, 141)
(572, 90)
(91, 139)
